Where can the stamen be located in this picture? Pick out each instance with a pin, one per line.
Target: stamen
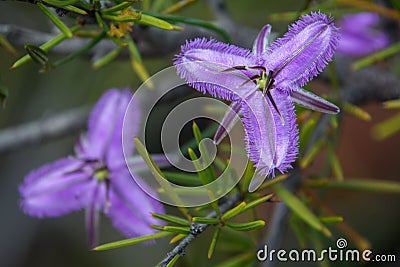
(263, 82)
(269, 82)
(235, 68)
(251, 79)
(262, 68)
(275, 106)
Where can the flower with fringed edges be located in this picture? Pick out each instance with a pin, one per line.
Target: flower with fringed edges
(262, 84)
(97, 177)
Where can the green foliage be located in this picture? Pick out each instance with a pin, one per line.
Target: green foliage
(57, 22)
(213, 243)
(45, 47)
(372, 185)
(171, 219)
(378, 56)
(38, 55)
(115, 21)
(299, 208)
(131, 241)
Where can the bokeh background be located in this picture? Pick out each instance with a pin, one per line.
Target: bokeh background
(26, 241)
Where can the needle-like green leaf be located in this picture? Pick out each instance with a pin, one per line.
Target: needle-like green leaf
(257, 202)
(191, 21)
(204, 152)
(171, 219)
(46, 47)
(131, 241)
(60, 3)
(331, 219)
(233, 212)
(172, 229)
(106, 59)
(298, 207)
(173, 261)
(392, 104)
(75, 9)
(204, 220)
(246, 226)
(366, 61)
(81, 51)
(59, 24)
(356, 111)
(312, 153)
(183, 178)
(213, 244)
(117, 7)
(372, 185)
(387, 128)
(158, 175)
(157, 22)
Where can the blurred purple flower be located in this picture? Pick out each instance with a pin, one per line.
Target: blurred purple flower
(359, 38)
(247, 79)
(97, 178)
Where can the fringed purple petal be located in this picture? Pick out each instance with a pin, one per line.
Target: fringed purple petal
(309, 100)
(260, 130)
(99, 201)
(102, 121)
(131, 207)
(270, 144)
(115, 155)
(56, 189)
(262, 41)
(207, 66)
(287, 138)
(358, 37)
(92, 224)
(303, 52)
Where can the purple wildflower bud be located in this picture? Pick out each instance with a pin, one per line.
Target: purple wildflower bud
(263, 83)
(261, 42)
(309, 100)
(97, 178)
(359, 38)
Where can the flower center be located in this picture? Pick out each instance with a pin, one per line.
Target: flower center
(102, 174)
(263, 80)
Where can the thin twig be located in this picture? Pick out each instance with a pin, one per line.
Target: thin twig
(43, 129)
(196, 229)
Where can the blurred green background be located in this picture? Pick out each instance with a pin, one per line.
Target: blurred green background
(26, 241)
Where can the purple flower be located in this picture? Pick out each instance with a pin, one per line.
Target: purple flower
(359, 38)
(261, 84)
(97, 178)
